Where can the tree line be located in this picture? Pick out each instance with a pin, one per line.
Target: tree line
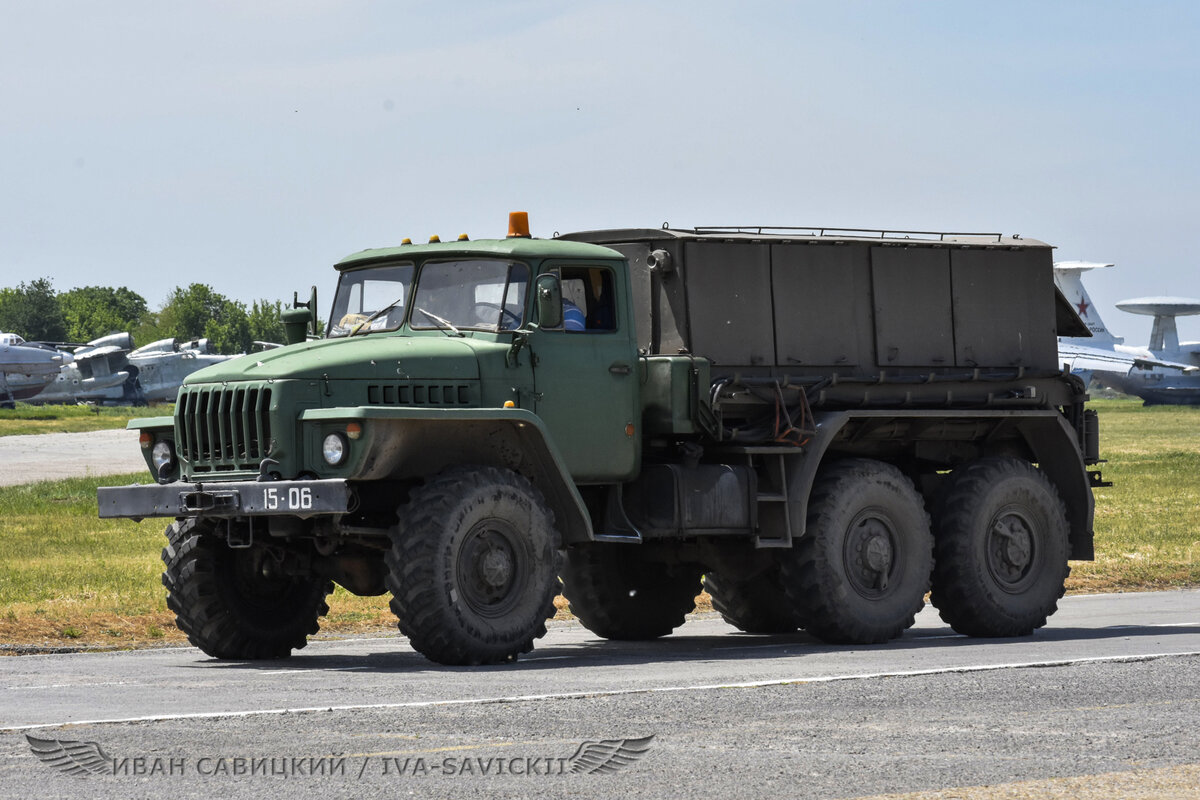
(40, 314)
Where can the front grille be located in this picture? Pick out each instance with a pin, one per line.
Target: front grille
(420, 394)
(226, 428)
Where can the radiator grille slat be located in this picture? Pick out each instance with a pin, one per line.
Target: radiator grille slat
(223, 429)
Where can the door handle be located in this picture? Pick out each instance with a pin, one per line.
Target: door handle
(619, 369)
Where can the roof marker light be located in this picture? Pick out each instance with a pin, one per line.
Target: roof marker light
(462, 237)
(434, 239)
(518, 225)
(406, 240)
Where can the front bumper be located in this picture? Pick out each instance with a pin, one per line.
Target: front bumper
(217, 499)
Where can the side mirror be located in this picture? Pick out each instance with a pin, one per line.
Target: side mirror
(295, 324)
(311, 305)
(549, 301)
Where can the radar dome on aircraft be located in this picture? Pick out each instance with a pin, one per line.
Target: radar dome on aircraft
(1164, 336)
(1161, 306)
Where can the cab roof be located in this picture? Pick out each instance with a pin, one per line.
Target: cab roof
(514, 247)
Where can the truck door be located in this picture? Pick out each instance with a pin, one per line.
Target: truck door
(586, 375)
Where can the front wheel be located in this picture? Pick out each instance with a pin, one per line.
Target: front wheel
(238, 603)
(473, 566)
(1002, 548)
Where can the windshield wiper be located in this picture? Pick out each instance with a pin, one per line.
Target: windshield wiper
(362, 326)
(442, 321)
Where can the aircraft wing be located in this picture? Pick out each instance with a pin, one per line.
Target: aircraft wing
(1081, 358)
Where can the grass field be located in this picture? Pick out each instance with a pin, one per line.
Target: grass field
(68, 578)
(73, 419)
(1148, 522)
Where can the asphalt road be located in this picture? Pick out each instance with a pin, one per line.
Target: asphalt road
(52, 456)
(1111, 686)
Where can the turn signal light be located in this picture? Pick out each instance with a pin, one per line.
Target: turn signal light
(353, 430)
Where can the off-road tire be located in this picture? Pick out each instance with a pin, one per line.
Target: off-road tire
(1002, 549)
(754, 605)
(225, 603)
(860, 572)
(473, 566)
(618, 593)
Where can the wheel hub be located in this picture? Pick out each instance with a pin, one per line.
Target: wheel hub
(496, 568)
(489, 573)
(871, 556)
(878, 555)
(1010, 547)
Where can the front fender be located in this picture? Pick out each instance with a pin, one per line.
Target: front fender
(404, 443)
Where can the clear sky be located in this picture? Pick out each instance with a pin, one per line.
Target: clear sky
(248, 145)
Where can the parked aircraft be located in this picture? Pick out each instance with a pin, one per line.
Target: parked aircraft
(109, 371)
(161, 366)
(25, 368)
(95, 373)
(1164, 371)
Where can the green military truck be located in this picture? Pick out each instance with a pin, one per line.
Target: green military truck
(822, 426)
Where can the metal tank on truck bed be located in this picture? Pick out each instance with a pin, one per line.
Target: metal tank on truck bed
(825, 425)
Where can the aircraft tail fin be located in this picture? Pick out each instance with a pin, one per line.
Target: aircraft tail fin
(1069, 277)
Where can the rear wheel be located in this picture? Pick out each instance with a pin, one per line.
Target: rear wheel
(237, 603)
(1002, 548)
(859, 573)
(754, 605)
(473, 566)
(619, 593)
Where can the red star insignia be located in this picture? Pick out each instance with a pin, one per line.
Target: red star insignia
(1083, 306)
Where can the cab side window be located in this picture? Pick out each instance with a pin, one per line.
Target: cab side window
(589, 299)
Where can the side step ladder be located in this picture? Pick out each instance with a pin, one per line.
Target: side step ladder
(773, 513)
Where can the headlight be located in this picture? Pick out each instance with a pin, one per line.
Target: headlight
(335, 449)
(162, 455)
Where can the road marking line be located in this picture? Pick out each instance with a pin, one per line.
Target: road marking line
(916, 637)
(581, 695)
(919, 638)
(314, 670)
(73, 685)
(764, 646)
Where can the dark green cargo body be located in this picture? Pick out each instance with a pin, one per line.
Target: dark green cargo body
(852, 303)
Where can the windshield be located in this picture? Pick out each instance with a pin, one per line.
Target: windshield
(476, 293)
(370, 300)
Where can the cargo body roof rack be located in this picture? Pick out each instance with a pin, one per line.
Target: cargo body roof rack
(857, 233)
